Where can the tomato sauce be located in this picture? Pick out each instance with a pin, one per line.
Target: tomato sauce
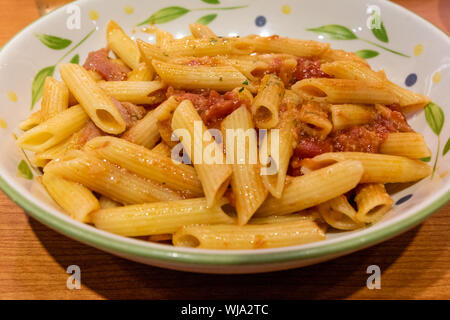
(212, 106)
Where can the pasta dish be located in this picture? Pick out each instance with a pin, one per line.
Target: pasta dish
(224, 142)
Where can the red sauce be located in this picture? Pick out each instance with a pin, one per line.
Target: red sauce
(212, 106)
(365, 138)
(308, 68)
(307, 147)
(109, 70)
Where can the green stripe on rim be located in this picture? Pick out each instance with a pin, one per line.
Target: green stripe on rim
(136, 248)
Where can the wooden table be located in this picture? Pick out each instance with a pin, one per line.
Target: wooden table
(33, 258)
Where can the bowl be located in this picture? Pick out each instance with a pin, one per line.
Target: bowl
(420, 63)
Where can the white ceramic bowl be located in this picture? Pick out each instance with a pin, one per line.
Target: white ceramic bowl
(426, 70)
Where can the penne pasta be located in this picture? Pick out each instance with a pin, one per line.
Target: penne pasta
(107, 203)
(248, 237)
(246, 182)
(373, 202)
(314, 120)
(221, 78)
(344, 116)
(109, 180)
(214, 177)
(379, 168)
(55, 98)
(56, 129)
(148, 164)
(100, 108)
(406, 144)
(159, 217)
(275, 182)
(339, 214)
(138, 92)
(32, 121)
(267, 102)
(407, 100)
(141, 73)
(332, 181)
(199, 47)
(295, 47)
(162, 149)
(121, 44)
(345, 91)
(200, 31)
(145, 132)
(75, 199)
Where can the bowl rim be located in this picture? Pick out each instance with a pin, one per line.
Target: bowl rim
(117, 244)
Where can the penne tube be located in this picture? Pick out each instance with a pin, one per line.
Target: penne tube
(162, 149)
(145, 132)
(137, 92)
(275, 44)
(141, 73)
(200, 31)
(199, 47)
(302, 192)
(315, 120)
(222, 78)
(163, 38)
(248, 237)
(275, 183)
(107, 203)
(109, 180)
(121, 44)
(159, 217)
(379, 168)
(246, 182)
(406, 144)
(373, 202)
(267, 102)
(351, 70)
(213, 176)
(345, 91)
(152, 52)
(32, 121)
(344, 116)
(55, 98)
(56, 129)
(339, 214)
(309, 215)
(407, 100)
(75, 199)
(97, 104)
(147, 164)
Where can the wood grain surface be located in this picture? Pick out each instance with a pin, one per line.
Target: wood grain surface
(34, 259)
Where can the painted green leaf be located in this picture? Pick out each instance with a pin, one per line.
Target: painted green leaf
(75, 59)
(207, 19)
(335, 32)
(380, 33)
(212, 1)
(165, 15)
(446, 147)
(435, 117)
(24, 170)
(367, 54)
(53, 42)
(427, 159)
(38, 84)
